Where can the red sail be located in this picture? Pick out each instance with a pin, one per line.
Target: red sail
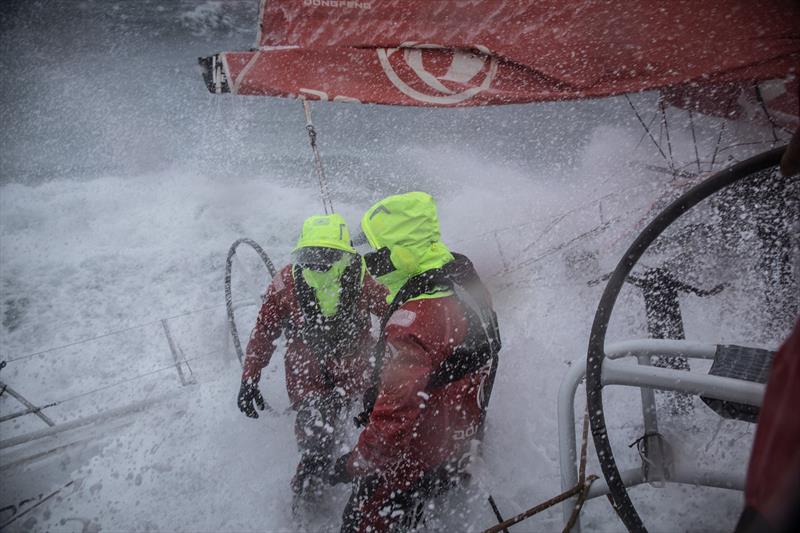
(478, 52)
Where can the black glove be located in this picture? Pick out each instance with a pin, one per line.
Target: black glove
(339, 474)
(369, 399)
(249, 393)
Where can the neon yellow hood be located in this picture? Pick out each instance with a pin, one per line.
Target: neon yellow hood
(327, 231)
(408, 225)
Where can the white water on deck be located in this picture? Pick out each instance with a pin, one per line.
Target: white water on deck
(107, 254)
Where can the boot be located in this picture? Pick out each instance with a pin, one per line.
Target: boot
(307, 483)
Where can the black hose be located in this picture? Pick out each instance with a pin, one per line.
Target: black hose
(596, 354)
(237, 344)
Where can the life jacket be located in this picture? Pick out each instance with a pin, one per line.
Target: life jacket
(329, 337)
(481, 344)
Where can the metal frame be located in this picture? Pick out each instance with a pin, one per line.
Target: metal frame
(648, 378)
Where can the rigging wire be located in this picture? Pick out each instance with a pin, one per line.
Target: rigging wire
(124, 381)
(694, 141)
(566, 244)
(551, 221)
(645, 132)
(178, 363)
(327, 205)
(30, 407)
(737, 145)
(716, 148)
(666, 132)
(763, 104)
(110, 333)
(721, 130)
(647, 129)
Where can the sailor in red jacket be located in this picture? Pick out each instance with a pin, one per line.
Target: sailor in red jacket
(435, 370)
(772, 491)
(321, 302)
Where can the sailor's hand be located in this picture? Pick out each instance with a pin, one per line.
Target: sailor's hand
(249, 394)
(339, 473)
(368, 401)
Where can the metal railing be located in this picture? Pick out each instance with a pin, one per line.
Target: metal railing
(648, 378)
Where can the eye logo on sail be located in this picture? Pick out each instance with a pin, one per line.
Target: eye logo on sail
(437, 75)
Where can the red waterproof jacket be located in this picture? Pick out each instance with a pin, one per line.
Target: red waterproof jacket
(304, 377)
(414, 427)
(774, 471)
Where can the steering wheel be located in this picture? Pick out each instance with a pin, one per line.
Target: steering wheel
(596, 353)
